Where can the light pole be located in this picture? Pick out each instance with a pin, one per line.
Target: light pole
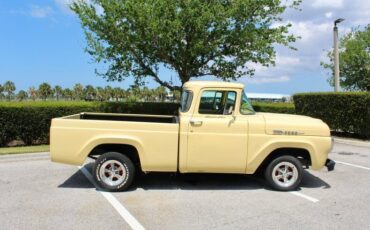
(336, 55)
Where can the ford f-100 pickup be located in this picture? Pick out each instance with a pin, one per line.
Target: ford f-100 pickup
(216, 131)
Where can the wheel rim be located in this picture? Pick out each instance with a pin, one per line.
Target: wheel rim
(112, 172)
(285, 174)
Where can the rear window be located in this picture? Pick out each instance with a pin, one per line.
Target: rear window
(186, 99)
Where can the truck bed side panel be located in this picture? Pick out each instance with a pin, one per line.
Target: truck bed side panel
(157, 143)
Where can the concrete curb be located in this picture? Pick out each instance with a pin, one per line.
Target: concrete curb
(25, 156)
(348, 141)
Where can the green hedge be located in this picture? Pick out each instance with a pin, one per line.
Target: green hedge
(346, 111)
(274, 107)
(30, 121)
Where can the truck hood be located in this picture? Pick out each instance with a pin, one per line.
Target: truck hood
(286, 124)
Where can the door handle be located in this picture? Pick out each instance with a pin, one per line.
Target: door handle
(196, 122)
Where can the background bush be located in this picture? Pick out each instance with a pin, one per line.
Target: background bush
(345, 111)
(30, 121)
(276, 107)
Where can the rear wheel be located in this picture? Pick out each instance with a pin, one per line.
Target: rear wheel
(284, 173)
(114, 171)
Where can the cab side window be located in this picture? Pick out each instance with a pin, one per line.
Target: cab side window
(217, 102)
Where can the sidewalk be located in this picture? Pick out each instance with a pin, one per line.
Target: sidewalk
(351, 141)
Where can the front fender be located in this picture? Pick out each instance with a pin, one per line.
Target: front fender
(257, 154)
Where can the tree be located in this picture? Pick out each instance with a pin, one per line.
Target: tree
(108, 93)
(354, 60)
(1, 91)
(194, 38)
(117, 93)
(161, 93)
(176, 95)
(78, 91)
(58, 91)
(100, 93)
(147, 94)
(45, 91)
(22, 95)
(9, 88)
(90, 92)
(67, 94)
(33, 93)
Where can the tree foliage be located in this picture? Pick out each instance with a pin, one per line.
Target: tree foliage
(45, 91)
(58, 91)
(354, 60)
(78, 91)
(9, 88)
(32, 91)
(22, 95)
(194, 38)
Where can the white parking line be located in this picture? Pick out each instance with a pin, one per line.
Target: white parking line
(304, 196)
(353, 165)
(125, 214)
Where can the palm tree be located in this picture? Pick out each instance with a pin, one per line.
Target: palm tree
(161, 93)
(22, 95)
(9, 88)
(67, 94)
(78, 91)
(176, 95)
(108, 92)
(58, 91)
(33, 93)
(117, 93)
(45, 91)
(100, 94)
(146, 92)
(1, 91)
(90, 92)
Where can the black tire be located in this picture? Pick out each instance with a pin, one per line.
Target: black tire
(289, 180)
(124, 171)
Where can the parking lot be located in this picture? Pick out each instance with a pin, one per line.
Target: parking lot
(39, 194)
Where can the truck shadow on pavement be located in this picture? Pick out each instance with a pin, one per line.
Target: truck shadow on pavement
(173, 181)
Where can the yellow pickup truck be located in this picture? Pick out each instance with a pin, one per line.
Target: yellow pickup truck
(216, 131)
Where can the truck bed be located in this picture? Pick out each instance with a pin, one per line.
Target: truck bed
(129, 117)
(73, 137)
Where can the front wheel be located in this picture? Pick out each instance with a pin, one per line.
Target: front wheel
(114, 171)
(284, 173)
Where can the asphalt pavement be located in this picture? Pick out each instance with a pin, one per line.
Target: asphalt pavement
(38, 194)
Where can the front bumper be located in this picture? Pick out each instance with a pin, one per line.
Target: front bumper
(330, 164)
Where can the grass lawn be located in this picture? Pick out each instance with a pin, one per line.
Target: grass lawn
(24, 149)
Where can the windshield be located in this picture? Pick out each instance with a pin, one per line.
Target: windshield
(246, 106)
(186, 98)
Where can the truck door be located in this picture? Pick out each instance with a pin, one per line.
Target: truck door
(217, 137)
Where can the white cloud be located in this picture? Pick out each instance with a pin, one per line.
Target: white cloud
(64, 5)
(310, 31)
(41, 11)
(286, 60)
(262, 80)
(284, 65)
(327, 3)
(329, 14)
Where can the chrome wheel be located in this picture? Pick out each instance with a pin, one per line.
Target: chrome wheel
(112, 172)
(285, 174)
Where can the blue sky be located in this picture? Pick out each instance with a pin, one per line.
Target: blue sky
(43, 41)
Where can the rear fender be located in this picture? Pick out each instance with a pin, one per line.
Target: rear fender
(111, 139)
